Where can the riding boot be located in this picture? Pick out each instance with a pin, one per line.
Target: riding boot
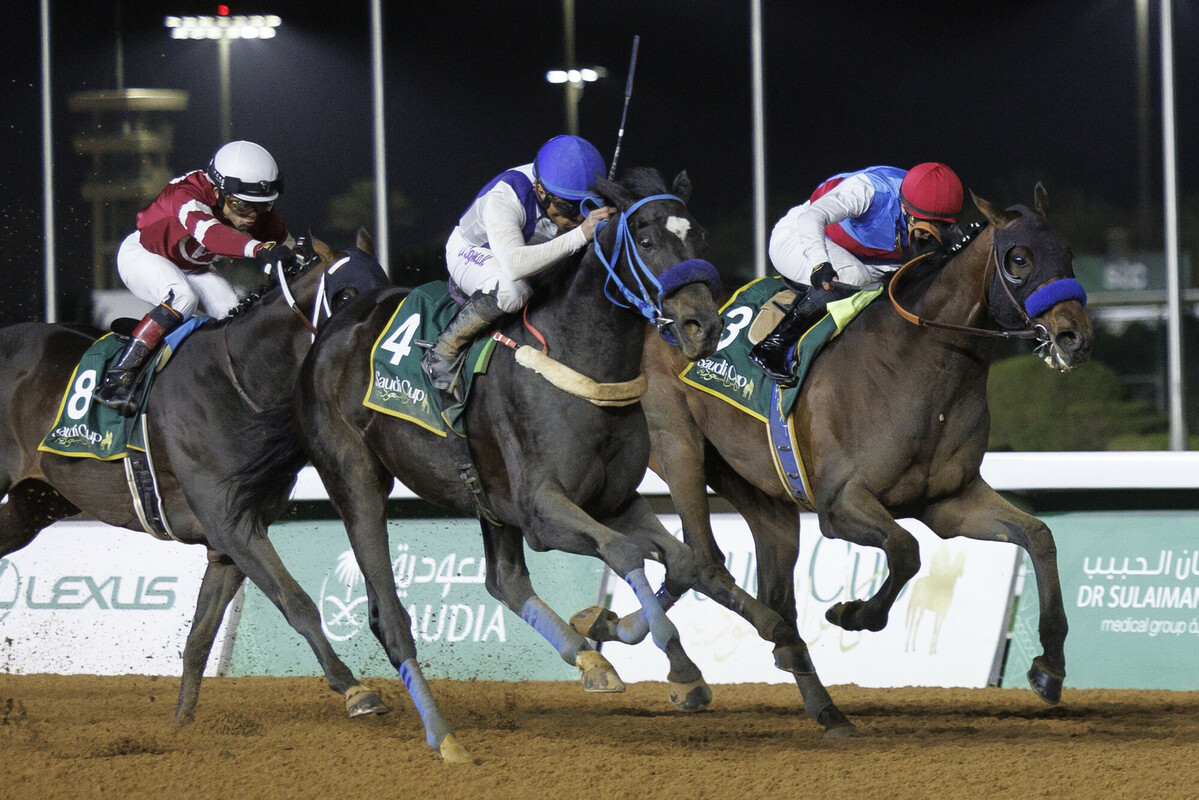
(116, 390)
(771, 354)
(442, 362)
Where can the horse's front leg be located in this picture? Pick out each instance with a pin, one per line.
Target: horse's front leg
(508, 581)
(980, 513)
(221, 581)
(557, 523)
(855, 515)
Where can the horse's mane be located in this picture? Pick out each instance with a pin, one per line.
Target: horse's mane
(255, 298)
(638, 181)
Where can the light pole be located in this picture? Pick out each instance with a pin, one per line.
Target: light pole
(571, 76)
(224, 28)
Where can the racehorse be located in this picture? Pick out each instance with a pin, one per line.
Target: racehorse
(892, 422)
(555, 469)
(199, 419)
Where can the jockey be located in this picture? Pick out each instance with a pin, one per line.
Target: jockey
(855, 228)
(170, 260)
(524, 221)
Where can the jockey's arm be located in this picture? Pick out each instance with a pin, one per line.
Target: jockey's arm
(851, 198)
(200, 222)
(505, 220)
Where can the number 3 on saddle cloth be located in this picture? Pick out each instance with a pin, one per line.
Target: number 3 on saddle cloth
(748, 317)
(83, 429)
(399, 386)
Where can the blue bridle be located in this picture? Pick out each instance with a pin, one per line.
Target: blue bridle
(689, 271)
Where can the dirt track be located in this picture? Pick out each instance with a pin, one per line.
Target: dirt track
(265, 738)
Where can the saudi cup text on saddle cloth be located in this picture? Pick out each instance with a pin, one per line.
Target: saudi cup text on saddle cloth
(731, 376)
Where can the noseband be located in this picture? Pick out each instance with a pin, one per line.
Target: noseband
(689, 271)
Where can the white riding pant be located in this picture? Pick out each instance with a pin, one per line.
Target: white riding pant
(153, 278)
(474, 269)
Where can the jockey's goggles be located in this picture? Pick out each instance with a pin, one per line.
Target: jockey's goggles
(569, 208)
(239, 206)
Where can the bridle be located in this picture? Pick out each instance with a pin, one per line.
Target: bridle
(1043, 297)
(689, 271)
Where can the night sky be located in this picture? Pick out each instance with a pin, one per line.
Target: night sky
(1007, 93)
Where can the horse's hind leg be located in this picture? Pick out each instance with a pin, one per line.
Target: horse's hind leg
(256, 557)
(774, 524)
(221, 581)
(32, 506)
(508, 581)
(980, 513)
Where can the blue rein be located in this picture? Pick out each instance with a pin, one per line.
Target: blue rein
(689, 271)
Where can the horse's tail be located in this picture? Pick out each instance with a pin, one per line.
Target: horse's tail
(259, 487)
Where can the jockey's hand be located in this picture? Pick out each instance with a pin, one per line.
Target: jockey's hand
(602, 213)
(270, 254)
(824, 276)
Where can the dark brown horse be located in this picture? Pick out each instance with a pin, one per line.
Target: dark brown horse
(558, 471)
(200, 428)
(892, 422)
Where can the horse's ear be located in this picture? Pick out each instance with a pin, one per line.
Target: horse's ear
(321, 249)
(682, 186)
(997, 216)
(365, 243)
(1041, 200)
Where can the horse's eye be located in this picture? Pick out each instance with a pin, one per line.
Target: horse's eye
(645, 243)
(1017, 264)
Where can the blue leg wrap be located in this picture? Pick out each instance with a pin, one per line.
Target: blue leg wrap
(555, 630)
(661, 629)
(436, 728)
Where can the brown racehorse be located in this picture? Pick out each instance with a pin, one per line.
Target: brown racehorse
(892, 422)
(200, 427)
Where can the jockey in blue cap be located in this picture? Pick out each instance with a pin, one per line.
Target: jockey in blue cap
(521, 223)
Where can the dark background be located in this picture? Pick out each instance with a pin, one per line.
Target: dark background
(1006, 93)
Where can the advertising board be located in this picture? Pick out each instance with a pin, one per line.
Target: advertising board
(1130, 583)
(461, 631)
(88, 598)
(944, 629)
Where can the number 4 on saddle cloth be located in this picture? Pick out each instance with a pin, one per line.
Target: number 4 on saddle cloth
(83, 429)
(748, 316)
(399, 385)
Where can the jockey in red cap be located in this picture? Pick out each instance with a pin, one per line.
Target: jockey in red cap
(855, 228)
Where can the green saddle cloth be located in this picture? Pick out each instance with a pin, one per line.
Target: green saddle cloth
(399, 386)
(84, 429)
(731, 376)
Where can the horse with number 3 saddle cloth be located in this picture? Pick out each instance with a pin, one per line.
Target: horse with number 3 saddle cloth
(729, 374)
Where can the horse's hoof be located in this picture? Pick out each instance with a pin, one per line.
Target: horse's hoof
(1046, 683)
(596, 623)
(361, 701)
(836, 725)
(849, 616)
(454, 753)
(598, 674)
(694, 696)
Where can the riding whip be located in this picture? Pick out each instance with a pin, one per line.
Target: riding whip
(628, 92)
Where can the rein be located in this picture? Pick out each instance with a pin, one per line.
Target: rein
(1028, 332)
(294, 306)
(672, 278)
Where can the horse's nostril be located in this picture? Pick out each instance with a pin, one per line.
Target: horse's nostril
(1068, 341)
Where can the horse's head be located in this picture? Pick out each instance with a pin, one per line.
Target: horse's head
(322, 278)
(1033, 284)
(652, 252)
